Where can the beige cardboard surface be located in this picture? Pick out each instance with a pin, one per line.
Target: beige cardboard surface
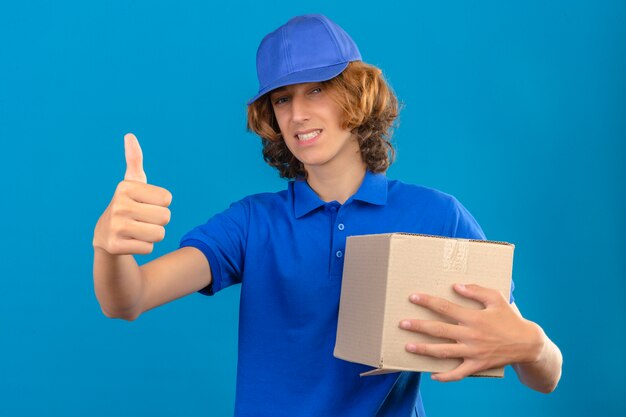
(381, 271)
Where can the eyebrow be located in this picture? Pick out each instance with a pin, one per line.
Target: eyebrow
(284, 88)
(277, 91)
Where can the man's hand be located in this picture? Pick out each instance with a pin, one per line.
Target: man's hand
(488, 338)
(138, 211)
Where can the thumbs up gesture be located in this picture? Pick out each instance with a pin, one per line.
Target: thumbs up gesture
(137, 213)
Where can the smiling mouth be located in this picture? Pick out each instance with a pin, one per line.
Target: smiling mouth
(309, 136)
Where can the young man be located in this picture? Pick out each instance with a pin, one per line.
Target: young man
(324, 117)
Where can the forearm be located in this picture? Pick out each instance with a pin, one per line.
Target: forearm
(543, 373)
(118, 284)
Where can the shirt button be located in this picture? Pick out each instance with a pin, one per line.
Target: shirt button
(333, 208)
(339, 254)
(340, 226)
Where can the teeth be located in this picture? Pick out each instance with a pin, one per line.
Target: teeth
(308, 136)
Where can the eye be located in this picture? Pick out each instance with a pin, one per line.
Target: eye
(280, 100)
(316, 90)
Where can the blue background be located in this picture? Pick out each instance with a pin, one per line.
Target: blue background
(516, 108)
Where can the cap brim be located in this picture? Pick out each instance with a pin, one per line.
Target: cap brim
(306, 76)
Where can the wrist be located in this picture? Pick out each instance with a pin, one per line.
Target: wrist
(535, 344)
(98, 247)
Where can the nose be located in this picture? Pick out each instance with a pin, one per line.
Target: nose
(299, 109)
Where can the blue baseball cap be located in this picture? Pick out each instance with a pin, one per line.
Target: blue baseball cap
(307, 48)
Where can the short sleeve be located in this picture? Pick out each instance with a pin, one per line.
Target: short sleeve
(462, 224)
(222, 239)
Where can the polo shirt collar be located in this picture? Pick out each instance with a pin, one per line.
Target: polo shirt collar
(373, 190)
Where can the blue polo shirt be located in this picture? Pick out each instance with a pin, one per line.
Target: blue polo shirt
(286, 249)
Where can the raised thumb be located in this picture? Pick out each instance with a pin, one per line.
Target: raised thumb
(134, 159)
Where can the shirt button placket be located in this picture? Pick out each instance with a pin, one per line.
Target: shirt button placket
(338, 241)
(339, 253)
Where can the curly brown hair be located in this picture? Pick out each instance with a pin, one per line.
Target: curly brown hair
(369, 108)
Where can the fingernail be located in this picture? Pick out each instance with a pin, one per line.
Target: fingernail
(411, 348)
(414, 298)
(460, 287)
(405, 324)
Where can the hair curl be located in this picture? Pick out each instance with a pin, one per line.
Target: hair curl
(369, 108)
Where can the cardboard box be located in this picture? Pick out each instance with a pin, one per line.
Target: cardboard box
(382, 271)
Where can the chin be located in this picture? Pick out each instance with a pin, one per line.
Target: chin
(311, 160)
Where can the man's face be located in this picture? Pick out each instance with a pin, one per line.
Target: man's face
(309, 121)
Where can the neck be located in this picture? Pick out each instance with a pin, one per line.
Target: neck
(337, 184)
